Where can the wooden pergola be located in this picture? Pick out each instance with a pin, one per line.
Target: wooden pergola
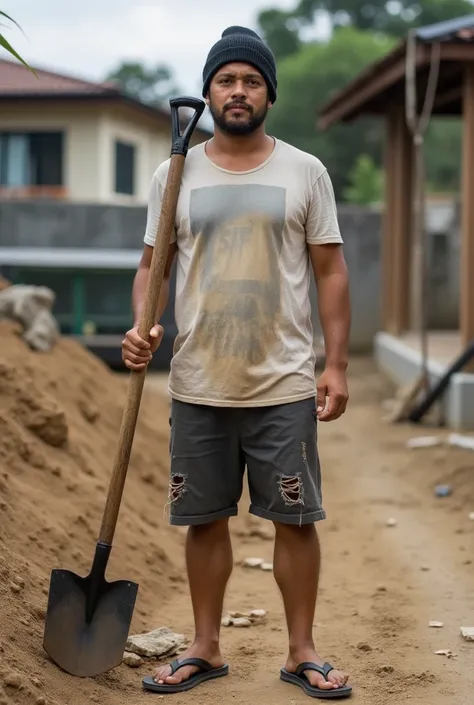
(380, 91)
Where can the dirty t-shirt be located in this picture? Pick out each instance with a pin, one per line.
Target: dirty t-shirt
(242, 305)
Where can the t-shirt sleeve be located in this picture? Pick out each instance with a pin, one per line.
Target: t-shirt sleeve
(154, 210)
(322, 226)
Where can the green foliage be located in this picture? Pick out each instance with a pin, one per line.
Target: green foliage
(151, 86)
(361, 31)
(366, 182)
(8, 47)
(306, 80)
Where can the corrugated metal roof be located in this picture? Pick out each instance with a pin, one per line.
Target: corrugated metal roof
(69, 257)
(450, 30)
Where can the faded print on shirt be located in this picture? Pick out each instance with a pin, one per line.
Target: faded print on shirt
(241, 229)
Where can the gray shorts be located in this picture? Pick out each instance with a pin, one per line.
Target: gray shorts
(210, 448)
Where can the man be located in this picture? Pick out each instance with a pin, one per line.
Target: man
(253, 214)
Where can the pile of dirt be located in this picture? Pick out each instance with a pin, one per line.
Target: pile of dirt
(60, 415)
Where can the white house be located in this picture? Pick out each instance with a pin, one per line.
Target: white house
(65, 138)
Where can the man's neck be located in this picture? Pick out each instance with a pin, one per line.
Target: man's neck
(223, 144)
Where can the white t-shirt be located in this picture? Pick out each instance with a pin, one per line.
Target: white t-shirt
(242, 305)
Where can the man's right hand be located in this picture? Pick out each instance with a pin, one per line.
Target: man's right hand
(137, 352)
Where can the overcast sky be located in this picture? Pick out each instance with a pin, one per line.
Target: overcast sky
(90, 37)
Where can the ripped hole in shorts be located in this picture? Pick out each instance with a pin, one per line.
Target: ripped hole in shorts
(177, 488)
(291, 489)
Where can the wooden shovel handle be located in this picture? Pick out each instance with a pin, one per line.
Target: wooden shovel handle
(180, 145)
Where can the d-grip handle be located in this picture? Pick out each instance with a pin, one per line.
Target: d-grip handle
(180, 141)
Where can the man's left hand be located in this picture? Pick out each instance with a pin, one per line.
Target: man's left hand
(332, 394)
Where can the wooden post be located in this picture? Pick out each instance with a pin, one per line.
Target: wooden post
(466, 304)
(396, 234)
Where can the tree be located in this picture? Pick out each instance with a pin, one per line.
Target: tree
(150, 85)
(365, 182)
(306, 80)
(283, 29)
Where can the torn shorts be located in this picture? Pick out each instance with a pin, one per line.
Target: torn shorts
(211, 447)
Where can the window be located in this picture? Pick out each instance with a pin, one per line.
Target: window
(124, 168)
(31, 158)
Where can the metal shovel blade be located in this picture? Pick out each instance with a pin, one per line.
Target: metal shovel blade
(88, 621)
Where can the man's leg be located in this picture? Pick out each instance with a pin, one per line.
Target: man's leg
(296, 569)
(205, 487)
(285, 487)
(209, 565)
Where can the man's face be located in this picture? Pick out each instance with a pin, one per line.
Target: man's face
(238, 99)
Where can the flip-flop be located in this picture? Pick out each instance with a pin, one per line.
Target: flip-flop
(299, 678)
(206, 673)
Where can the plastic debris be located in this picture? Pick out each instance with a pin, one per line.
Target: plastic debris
(443, 490)
(445, 652)
(455, 439)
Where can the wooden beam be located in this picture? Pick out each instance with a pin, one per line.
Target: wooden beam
(366, 87)
(397, 222)
(457, 52)
(466, 312)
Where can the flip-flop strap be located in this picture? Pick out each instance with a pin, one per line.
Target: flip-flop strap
(199, 662)
(310, 666)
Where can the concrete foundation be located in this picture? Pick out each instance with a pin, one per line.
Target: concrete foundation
(401, 363)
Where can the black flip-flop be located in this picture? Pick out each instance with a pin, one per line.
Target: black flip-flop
(206, 673)
(299, 678)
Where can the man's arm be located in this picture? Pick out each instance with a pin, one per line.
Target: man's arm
(136, 352)
(324, 242)
(332, 283)
(141, 279)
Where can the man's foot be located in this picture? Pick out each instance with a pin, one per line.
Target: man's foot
(210, 653)
(335, 679)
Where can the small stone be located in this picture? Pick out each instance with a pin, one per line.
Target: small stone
(362, 646)
(12, 680)
(15, 588)
(385, 669)
(41, 700)
(132, 660)
(267, 566)
(467, 633)
(424, 568)
(241, 622)
(445, 652)
(381, 588)
(253, 562)
(471, 516)
(226, 621)
(258, 614)
(436, 625)
(158, 643)
(443, 490)
(391, 522)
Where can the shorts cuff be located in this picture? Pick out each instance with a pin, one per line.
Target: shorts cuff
(293, 519)
(199, 519)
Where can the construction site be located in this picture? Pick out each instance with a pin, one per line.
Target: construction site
(397, 554)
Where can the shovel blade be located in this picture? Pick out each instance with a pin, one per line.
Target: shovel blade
(81, 643)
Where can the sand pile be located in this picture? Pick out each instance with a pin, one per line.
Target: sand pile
(59, 418)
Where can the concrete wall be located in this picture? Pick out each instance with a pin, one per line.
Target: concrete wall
(43, 224)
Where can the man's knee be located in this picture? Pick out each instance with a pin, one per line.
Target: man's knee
(211, 530)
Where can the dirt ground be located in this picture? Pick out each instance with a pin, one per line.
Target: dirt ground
(380, 585)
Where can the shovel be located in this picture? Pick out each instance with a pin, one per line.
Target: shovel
(88, 619)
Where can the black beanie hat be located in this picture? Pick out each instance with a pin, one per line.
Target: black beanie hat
(241, 44)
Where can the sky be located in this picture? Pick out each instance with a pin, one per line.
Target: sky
(89, 38)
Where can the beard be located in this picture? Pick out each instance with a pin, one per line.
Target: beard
(238, 127)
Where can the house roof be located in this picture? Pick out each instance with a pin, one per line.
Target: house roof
(18, 83)
(382, 83)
